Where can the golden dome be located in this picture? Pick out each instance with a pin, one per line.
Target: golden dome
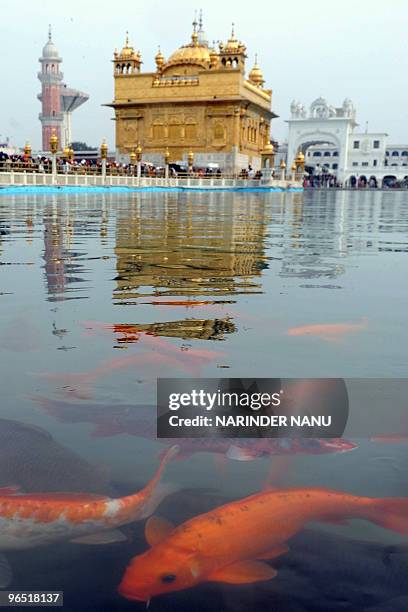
(233, 45)
(196, 52)
(159, 58)
(283, 164)
(300, 158)
(190, 54)
(269, 149)
(128, 52)
(256, 75)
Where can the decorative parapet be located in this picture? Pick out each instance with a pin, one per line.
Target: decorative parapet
(175, 81)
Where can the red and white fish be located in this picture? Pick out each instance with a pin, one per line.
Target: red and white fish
(140, 421)
(35, 519)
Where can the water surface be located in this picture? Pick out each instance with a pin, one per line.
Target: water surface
(102, 293)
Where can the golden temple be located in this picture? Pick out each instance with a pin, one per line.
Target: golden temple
(198, 104)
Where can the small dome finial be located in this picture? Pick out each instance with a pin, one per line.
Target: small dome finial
(49, 32)
(256, 76)
(194, 35)
(127, 39)
(200, 20)
(233, 30)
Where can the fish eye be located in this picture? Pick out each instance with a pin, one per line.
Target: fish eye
(167, 578)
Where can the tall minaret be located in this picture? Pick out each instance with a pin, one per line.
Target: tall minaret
(50, 76)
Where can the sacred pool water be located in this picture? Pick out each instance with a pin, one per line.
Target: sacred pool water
(102, 293)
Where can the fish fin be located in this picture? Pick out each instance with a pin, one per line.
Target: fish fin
(6, 573)
(12, 490)
(157, 529)
(102, 537)
(244, 572)
(160, 492)
(154, 492)
(274, 552)
(238, 453)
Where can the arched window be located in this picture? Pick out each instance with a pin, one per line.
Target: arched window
(129, 69)
(190, 129)
(327, 153)
(219, 132)
(335, 166)
(404, 154)
(335, 153)
(317, 154)
(158, 130)
(118, 68)
(395, 153)
(175, 130)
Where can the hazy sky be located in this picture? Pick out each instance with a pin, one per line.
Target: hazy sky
(352, 48)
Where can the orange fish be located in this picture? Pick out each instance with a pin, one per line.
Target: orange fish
(328, 331)
(34, 519)
(228, 544)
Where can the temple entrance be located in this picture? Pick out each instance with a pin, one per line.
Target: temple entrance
(324, 124)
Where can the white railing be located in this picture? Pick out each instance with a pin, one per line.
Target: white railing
(24, 178)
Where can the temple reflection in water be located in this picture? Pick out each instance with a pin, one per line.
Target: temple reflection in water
(209, 256)
(176, 245)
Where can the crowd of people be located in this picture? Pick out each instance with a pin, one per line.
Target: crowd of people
(43, 164)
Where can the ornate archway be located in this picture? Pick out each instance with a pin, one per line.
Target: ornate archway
(323, 124)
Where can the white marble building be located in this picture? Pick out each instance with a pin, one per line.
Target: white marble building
(331, 142)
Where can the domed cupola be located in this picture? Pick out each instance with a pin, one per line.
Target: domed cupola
(50, 51)
(128, 61)
(196, 53)
(232, 53)
(256, 75)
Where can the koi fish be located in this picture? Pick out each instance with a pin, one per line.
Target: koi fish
(33, 460)
(140, 421)
(328, 331)
(35, 519)
(158, 353)
(242, 449)
(229, 543)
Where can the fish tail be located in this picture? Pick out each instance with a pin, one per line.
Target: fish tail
(155, 490)
(391, 513)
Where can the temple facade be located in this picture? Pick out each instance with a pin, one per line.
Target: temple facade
(198, 104)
